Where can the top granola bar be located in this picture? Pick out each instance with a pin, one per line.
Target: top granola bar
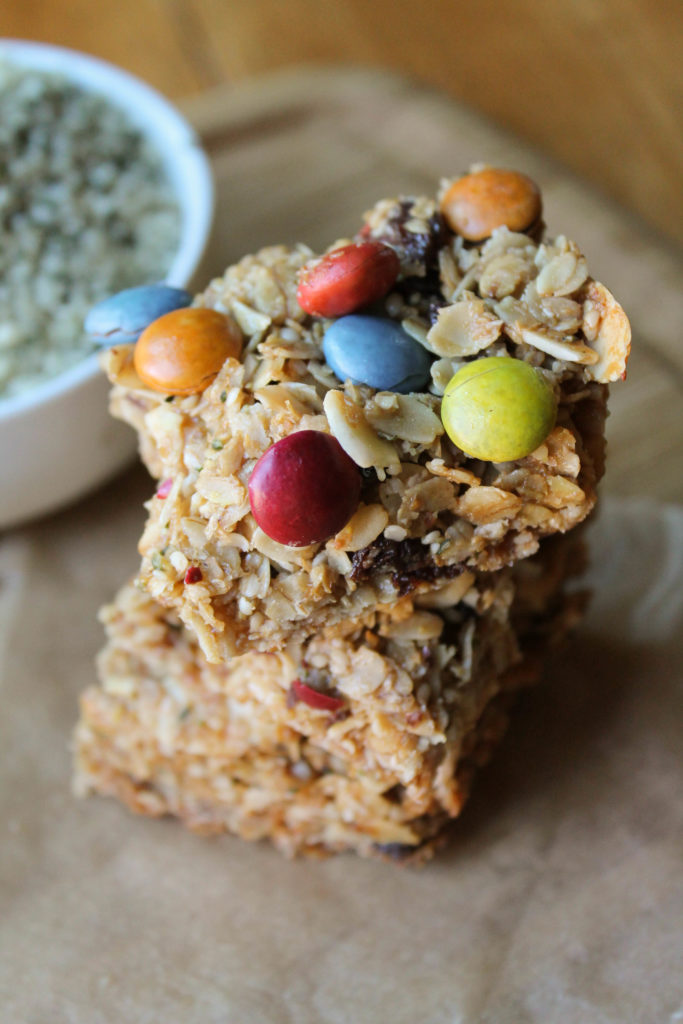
(428, 512)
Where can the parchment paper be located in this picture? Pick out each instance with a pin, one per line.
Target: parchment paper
(560, 898)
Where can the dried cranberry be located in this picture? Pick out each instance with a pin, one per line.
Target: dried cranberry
(194, 574)
(314, 699)
(164, 488)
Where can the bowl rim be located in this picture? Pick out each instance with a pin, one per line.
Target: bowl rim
(170, 133)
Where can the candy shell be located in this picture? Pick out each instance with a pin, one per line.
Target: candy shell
(474, 206)
(498, 409)
(304, 489)
(181, 352)
(376, 351)
(121, 318)
(347, 279)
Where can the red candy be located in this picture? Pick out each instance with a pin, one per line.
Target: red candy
(314, 698)
(304, 489)
(347, 279)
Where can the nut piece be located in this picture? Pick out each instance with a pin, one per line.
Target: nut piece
(354, 433)
(403, 416)
(420, 626)
(475, 205)
(606, 328)
(449, 594)
(483, 505)
(550, 343)
(463, 329)
(502, 275)
(456, 474)
(563, 274)
(364, 526)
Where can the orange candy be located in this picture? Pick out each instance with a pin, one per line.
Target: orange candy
(182, 351)
(475, 205)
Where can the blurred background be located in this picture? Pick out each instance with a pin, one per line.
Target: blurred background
(595, 83)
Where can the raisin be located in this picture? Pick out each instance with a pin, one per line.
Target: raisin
(417, 250)
(408, 562)
(434, 308)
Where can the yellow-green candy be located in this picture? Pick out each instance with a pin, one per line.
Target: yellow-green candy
(498, 409)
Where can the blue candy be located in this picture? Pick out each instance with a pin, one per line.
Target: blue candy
(122, 318)
(376, 351)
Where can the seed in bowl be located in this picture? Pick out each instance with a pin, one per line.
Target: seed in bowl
(85, 210)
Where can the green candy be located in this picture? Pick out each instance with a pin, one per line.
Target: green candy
(498, 409)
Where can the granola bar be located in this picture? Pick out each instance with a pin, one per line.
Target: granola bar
(428, 511)
(364, 741)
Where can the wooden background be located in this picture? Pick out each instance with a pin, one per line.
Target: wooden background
(595, 83)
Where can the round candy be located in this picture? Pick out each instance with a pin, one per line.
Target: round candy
(376, 351)
(480, 202)
(181, 352)
(347, 278)
(122, 318)
(498, 409)
(304, 489)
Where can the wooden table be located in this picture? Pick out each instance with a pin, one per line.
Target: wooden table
(300, 155)
(597, 84)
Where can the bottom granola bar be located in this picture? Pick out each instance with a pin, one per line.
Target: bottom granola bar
(365, 740)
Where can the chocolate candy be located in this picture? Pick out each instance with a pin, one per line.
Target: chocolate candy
(475, 205)
(347, 279)
(498, 408)
(181, 352)
(121, 318)
(304, 489)
(376, 351)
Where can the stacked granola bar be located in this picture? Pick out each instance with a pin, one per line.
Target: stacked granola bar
(346, 572)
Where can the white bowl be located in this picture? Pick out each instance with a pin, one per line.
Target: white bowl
(57, 441)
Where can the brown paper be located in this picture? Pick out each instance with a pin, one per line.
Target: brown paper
(559, 898)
